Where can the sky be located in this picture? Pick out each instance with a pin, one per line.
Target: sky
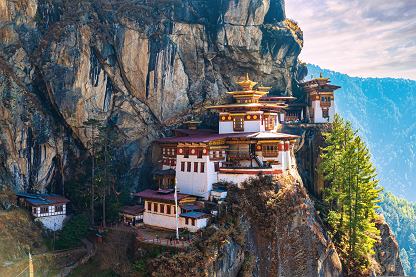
(366, 38)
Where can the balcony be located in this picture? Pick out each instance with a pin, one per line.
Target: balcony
(228, 165)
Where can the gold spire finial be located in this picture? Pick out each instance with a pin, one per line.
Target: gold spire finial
(320, 75)
(247, 84)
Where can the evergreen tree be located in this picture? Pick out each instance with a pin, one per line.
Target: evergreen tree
(352, 196)
(111, 172)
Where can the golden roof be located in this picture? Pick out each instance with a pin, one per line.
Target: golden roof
(192, 121)
(247, 84)
(249, 105)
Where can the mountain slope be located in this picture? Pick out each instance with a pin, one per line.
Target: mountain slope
(401, 217)
(382, 109)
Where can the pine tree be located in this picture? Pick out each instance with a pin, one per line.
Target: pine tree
(352, 196)
(111, 168)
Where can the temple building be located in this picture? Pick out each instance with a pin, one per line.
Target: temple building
(318, 105)
(247, 144)
(160, 210)
(49, 209)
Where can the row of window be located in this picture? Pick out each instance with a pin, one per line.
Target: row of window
(171, 162)
(197, 165)
(169, 151)
(45, 210)
(326, 99)
(269, 123)
(167, 209)
(217, 154)
(161, 208)
(187, 151)
(190, 221)
(270, 151)
(238, 123)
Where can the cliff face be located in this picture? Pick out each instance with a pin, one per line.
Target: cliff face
(268, 228)
(140, 64)
(387, 260)
(284, 232)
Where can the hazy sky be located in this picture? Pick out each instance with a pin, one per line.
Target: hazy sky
(369, 38)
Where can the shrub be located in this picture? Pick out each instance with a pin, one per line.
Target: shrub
(72, 233)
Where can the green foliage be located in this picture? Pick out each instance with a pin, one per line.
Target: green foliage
(106, 183)
(72, 233)
(400, 214)
(140, 266)
(111, 169)
(352, 196)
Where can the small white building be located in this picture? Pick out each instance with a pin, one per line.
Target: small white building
(49, 209)
(160, 210)
(318, 105)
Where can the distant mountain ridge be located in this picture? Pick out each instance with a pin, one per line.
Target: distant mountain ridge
(383, 110)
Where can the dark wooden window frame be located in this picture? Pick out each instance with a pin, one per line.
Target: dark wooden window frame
(238, 123)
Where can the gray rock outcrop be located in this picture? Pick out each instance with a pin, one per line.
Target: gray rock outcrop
(142, 65)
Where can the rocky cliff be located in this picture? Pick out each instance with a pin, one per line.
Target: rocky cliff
(387, 260)
(143, 65)
(268, 228)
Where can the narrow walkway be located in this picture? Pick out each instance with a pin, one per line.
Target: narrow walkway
(91, 250)
(168, 242)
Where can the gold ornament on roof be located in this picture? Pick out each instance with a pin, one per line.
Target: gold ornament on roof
(247, 84)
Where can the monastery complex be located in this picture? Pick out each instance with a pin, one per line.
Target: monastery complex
(196, 165)
(198, 162)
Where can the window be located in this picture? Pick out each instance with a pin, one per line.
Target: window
(188, 167)
(216, 166)
(196, 167)
(199, 153)
(193, 221)
(270, 151)
(323, 99)
(44, 210)
(174, 209)
(162, 208)
(186, 220)
(325, 113)
(269, 121)
(238, 123)
(155, 207)
(149, 206)
(202, 168)
(168, 209)
(34, 210)
(182, 166)
(186, 152)
(59, 208)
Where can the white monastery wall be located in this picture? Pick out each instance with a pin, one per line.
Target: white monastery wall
(225, 127)
(331, 111)
(234, 178)
(161, 220)
(253, 126)
(36, 211)
(54, 222)
(195, 183)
